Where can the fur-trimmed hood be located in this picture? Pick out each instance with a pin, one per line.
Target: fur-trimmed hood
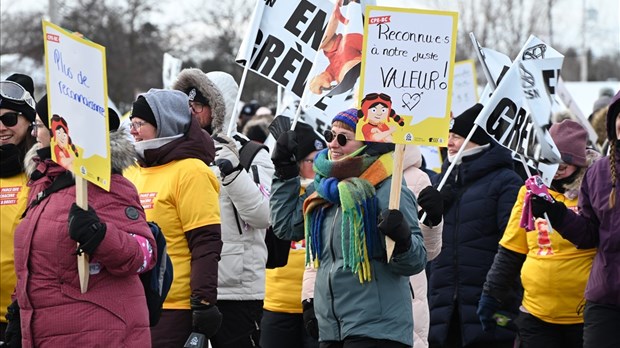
(220, 90)
(121, 150)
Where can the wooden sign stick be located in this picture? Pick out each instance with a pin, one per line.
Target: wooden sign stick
(81, 199)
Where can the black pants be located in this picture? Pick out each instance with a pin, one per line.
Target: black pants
(240, 324)
(285, 330)
(601, 324)
(173, 328)
(362, 342)
(535, 333)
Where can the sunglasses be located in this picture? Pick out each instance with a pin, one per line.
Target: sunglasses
(14, 92)
(341, 138)
(10, 118)
(197, 107)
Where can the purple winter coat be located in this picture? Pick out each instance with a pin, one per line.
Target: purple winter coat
(598, 226)
(113, 312)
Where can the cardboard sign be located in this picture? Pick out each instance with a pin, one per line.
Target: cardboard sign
(465, 87)
(171, 68)
(406, 75)
(77, 95)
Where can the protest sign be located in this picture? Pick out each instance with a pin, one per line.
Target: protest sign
(171, 68)
(78, 103)
(465, 87)
(406, 75)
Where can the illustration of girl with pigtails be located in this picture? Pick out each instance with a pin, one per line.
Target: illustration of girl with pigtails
(376, 110)
(64, 149)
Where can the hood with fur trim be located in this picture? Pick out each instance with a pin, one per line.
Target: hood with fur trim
(220, 90)
(121, 150)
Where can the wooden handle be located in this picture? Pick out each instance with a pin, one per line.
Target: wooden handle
(81, 199)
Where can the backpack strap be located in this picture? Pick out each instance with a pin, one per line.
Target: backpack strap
(62, 181)
(248, 151)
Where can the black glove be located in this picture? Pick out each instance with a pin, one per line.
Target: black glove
(283, 156)
(394, 226)
(206, 318)
(447, 196)
(310, 322)
(555, 210)
(487, 307)
(86, 229)
(431, 202)
(13, 333)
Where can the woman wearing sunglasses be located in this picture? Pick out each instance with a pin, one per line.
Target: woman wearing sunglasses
(360, 297)
(16, 114)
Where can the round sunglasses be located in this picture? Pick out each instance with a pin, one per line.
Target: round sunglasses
(341, 138)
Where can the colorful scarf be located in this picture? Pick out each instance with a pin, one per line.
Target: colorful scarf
(351, 183)
(534, 186)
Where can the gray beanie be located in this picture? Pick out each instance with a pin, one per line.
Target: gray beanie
(171, 111)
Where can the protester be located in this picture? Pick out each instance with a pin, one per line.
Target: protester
(596, 225)
(361, 297)
(248, 111)
(17, 112)
(552, 306)
(431, 201)
(257, 128)
(478, 197)
(179, 192)
(283, 323)
(244, 201)
(114, 234)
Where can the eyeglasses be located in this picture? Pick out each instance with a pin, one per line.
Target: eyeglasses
(136, 125)
(197, 107)
(341, 138)
(10, 118)
(14, 92)
(36, 125)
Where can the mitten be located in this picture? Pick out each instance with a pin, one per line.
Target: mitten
(431, 202)
(283, 156)
(206, 317)
(227, 158)
(86, 229)
(487, 307)
(555, 210)
(394, 226)
(13, 333)
(310, 322)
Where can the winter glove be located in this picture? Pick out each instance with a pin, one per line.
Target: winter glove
(283, 156)
(13, 333)
(431, 202)
(86, 229)
(394, 226)
(487, 307)
(447, 196)
(310, 322)
(555, 210)
(227, 158)
(206, 318)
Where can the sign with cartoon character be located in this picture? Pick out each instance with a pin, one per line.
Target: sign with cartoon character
(78, 101)
(406, 75)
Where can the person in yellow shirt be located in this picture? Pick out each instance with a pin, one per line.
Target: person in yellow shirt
(553, 271)
(179, 192)
(282, 324)
(17, 113)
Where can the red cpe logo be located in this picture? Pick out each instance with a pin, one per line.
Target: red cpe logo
(52, 37)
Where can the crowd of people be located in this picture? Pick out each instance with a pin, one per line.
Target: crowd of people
(485, 260)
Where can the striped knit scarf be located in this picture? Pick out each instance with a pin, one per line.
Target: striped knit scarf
(351, 183)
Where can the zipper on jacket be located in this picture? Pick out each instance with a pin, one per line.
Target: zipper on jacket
(331, 272)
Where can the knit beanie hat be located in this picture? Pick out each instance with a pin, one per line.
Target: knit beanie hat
(349, 117)
(308, 140)
(612, 114)
(142, 109)
(571, 139)
(41, 109)
(462, 125)
(27, 110)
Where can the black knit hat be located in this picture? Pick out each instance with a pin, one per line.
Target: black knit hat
(26, 82)
(463, 124)
(42, 111)
(307, 140)
(142, 109)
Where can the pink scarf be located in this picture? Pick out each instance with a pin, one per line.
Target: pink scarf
(534, 186)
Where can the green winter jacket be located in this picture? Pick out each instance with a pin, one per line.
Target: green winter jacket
(379, 309)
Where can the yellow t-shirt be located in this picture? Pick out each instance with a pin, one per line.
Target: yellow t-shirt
(179, 196)
(555, 272)
(13, 199)
(283, 284)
